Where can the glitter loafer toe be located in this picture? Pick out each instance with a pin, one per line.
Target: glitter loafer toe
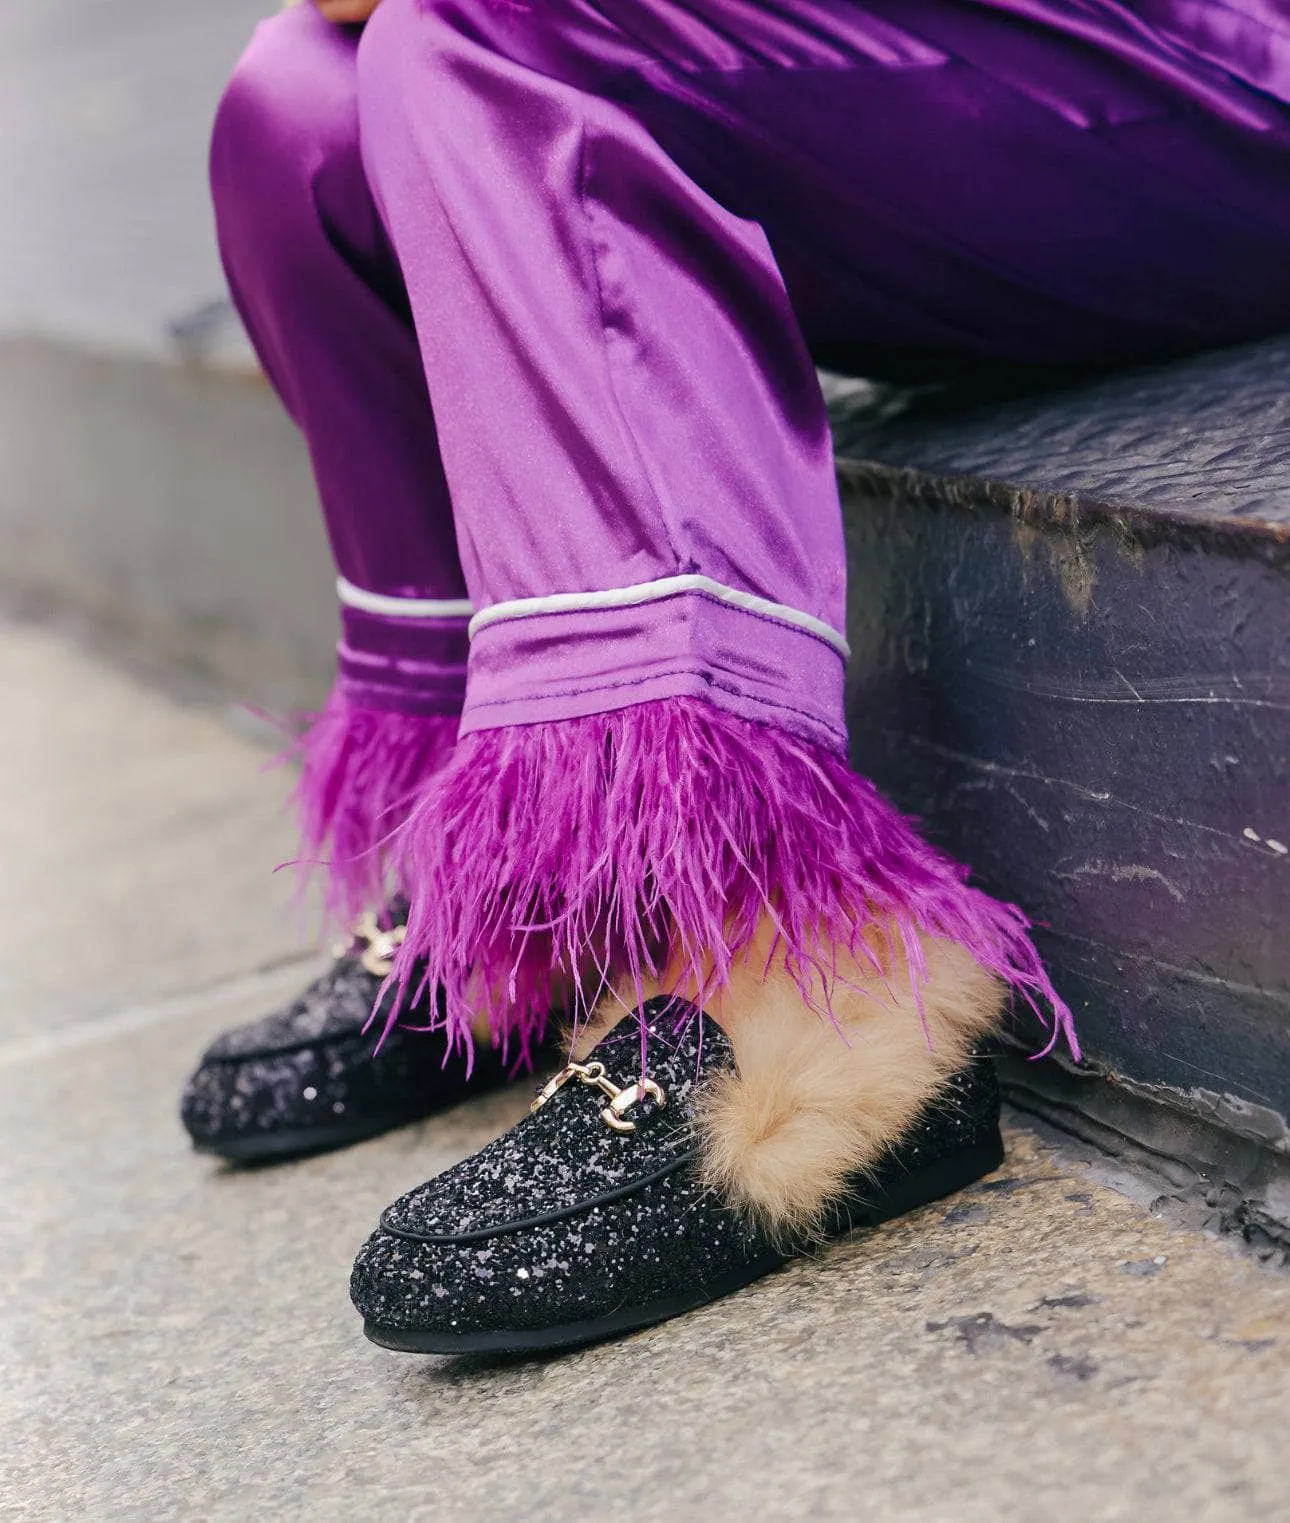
(592, 1218)
(308, 1078)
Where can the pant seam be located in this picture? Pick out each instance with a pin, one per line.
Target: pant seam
(703, 675)
(384, 700)
(593, 253)
(454, 671)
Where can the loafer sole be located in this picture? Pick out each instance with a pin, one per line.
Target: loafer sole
(277, 1147)
(897, 1197)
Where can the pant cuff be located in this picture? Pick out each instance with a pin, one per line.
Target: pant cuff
(410, 666)
(672, 841)
(545, 667)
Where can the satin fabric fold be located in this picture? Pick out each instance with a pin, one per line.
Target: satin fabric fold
(607, 240)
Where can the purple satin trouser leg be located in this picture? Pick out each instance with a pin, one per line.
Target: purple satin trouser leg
(618, 227)
(323, 299)
(609, 236)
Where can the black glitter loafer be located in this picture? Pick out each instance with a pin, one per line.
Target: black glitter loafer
(308, 1078)
(591, 1217)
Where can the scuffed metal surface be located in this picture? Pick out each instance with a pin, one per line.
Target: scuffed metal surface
(1140, 528)
(1082, 684)
(1257, 1123)
(1176, 1152)
(1207, 440)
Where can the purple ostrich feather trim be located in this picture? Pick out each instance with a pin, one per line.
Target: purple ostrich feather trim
(660, 836)
(364, 773)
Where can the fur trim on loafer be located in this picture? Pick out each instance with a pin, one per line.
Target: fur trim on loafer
(596, 1214)
(813, 1098)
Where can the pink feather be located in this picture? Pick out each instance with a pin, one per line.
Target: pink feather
(659, 835)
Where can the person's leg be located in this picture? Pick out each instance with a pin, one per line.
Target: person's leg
(651, 786)
(652, 762)
(1050, 190)
(321, 295)
(604, 197)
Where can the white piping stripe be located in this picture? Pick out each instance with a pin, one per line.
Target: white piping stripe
(651, 592)
(402, 608)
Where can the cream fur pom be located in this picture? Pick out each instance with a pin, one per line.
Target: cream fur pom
(815, 1100)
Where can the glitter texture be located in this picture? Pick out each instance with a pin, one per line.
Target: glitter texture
(562, 1221)
(306, 1077)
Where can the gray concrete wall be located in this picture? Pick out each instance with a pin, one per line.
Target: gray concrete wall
(171, 503)
(105, 111)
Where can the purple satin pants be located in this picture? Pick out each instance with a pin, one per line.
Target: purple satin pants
(542, 284)
(609, 234)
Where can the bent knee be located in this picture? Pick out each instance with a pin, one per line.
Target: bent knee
(412, 49)
(288, 110)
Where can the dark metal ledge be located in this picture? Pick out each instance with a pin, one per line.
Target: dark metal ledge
(1070, 619)
(1212, 1171)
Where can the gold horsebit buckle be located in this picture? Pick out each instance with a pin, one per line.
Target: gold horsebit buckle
(621, 1099)
(378, 955)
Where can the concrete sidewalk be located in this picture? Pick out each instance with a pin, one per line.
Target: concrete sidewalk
(178, 1340)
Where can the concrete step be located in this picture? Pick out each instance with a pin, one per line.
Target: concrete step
(172, 504)
(1072, 659)
(179, 1344)
(1070, 615)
